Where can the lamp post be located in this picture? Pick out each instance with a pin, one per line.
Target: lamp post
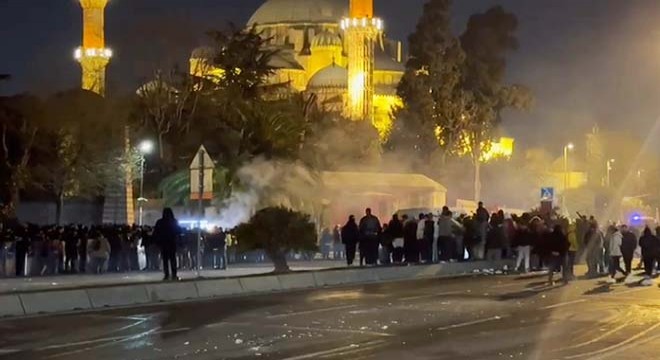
(567, 148)
(145, 147)
(608, 179)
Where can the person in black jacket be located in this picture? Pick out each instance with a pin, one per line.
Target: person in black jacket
(628, 247)
(350, 236)
(410, 241)
(553, 249)
(166, 233)
(650, 245)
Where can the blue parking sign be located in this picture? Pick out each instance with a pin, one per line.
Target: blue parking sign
(547, 194)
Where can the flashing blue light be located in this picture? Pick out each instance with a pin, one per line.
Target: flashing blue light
(636, 219)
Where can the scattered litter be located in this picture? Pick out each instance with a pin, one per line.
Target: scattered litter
(384, 327)
(238, 341)
(186, 343)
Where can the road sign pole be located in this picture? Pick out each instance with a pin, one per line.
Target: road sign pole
(200, 211)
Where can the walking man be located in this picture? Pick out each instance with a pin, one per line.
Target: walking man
(614, 243)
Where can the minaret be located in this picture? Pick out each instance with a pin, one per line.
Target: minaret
(361, 31)
(93, 55)
(94, 58)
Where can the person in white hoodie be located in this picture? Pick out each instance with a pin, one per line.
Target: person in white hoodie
(614, 243)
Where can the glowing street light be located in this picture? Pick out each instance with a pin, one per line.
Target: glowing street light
(145, 147)
(608, 179)
(567, 148)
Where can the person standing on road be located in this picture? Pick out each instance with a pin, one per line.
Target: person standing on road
(573, 246)
(554, 250)
(650, 245)
(482, 216)
(593, 242)
(410, 251)
(523, 243)
(614, 244)
(628, 247)
(166, 233)
(430, 230)
(350, 237)
(21, 248)
(99, 252)
(394, 241)
(419, 246)
(370, 230)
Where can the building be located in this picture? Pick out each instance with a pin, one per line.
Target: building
(316, 55)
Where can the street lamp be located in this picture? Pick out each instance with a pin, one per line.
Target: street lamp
(145, 147)
(608, 179)
(567, 148)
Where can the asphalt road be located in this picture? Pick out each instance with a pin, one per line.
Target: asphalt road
(503, 317)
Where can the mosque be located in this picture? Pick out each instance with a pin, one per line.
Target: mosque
(333, 49)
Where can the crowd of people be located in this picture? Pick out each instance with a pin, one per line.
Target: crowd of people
(33, 250)
(428, 238)
(536, 242)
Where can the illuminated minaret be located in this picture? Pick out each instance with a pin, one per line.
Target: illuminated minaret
(93, 55)
(361, 31)
(94, 58)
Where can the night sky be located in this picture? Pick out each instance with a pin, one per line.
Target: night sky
(587, 61)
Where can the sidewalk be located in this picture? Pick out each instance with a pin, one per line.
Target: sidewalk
(60, 282)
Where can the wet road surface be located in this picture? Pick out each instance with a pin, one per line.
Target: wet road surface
(503, 317)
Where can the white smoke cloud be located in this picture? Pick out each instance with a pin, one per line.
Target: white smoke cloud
(265, 183)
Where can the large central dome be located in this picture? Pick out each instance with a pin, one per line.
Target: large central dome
(299, 11)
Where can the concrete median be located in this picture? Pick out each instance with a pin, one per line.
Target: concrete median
(118, 296)
(55, 301)
(173, 291)
(39, 302)
(10, 305)
(222, 287)
(260, 284)
(297, 281)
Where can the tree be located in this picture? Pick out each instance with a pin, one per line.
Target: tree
(430, 88)
(278, 231)
(454, 89)
(78, 150)
(167, 105)
(486, 41)
(21, 120)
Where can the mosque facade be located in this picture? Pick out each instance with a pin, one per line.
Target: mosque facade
(316, 56)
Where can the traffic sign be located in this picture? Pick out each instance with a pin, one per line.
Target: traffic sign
(201, 175)
(547, 194)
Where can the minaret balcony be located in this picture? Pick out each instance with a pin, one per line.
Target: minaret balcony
(103, 53)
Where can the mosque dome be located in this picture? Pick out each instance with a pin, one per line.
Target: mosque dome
(326, 39)
(333, 76)
(299, 11)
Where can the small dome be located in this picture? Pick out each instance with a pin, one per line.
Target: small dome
(333, 76)
(326, 39)
(202, 52)
(385, 62)
(299, 11)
